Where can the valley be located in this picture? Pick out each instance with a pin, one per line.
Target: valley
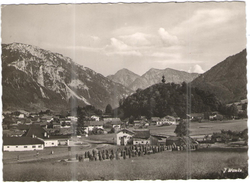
(58, 114)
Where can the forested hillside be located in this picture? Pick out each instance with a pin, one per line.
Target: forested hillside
(227, 80)
(168, 99)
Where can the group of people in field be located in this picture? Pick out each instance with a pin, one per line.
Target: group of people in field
(130, 151)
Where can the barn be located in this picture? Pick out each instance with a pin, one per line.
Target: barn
(22, 144)
(141, 136)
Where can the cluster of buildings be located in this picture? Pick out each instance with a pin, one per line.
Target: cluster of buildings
(25, 132)
(36, 138)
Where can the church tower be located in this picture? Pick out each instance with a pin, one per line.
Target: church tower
(163, 79)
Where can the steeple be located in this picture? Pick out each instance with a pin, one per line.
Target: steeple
(163, 79)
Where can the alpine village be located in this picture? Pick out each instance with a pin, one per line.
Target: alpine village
(64, 121)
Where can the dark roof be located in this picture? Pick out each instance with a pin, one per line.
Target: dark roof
(196, 114)
(126, 131)
(21, 141)
(179, 140)
(155, 118)
(95, 123)
(36, 130)
(137, 121)
(169, 117)
(60, 137)
(142, 134)
(118, 122)
(23, 127)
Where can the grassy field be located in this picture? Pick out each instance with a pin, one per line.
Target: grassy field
(109, 138)
(201, 164)
(204, 127)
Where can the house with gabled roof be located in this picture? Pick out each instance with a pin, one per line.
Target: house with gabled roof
(135, 137)
(36, 131)
(143, 136)
(124, 137)
(90, 125)
(154, 119)
(22, 144)
(116, 123)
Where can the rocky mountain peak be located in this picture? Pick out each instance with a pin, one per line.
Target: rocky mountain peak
(53, 77)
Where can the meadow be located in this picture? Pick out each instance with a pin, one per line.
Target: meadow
(204, 128)
(161, 166)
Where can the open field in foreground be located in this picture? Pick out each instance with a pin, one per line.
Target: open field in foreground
(201, 164)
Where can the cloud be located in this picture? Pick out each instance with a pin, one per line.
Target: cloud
(95, 38)
(196, 69)
(167, 38)
(211, 16)
(137, 39)
(119, 47)
(161, 39)
(166, 55)
(203, 20)
(142, 44)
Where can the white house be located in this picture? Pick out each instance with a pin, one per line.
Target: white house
(22, 144)
(171, 119)
(124, 136)
(90, 125)
(135, 137)
(73, 118)
(21, 115)
(47, 118)
(167, 120)
(96, 118)
(50, 142)
(111, 119)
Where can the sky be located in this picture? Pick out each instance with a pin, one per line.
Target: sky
(189, 36)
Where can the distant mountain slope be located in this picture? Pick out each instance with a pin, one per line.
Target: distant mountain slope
(227, 80)
(154, 76)
(33, 79)
(124, 77)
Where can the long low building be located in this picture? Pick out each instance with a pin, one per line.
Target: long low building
(36, 131)
(22, 144)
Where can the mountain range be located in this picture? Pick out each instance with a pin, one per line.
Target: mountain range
(152, 76)
(227, 80)
(36, 79)
(224, 83)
